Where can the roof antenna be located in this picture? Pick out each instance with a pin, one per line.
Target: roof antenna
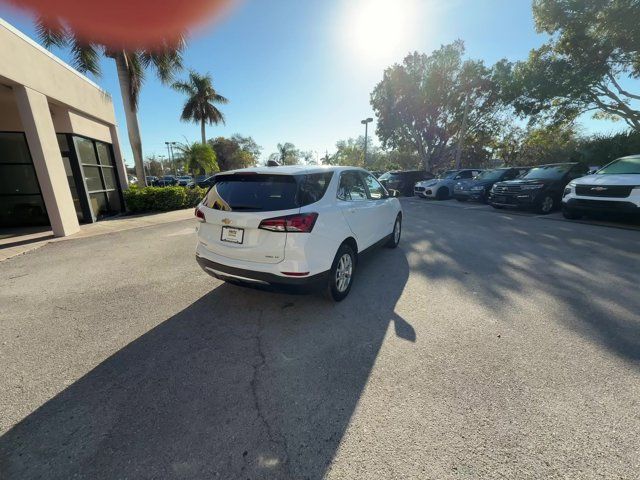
(273, 163)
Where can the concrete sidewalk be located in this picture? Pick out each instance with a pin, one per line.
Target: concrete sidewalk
(10, 246)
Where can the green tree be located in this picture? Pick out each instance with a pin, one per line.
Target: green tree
(350, 152)
(154, 166)
(287, 154)
(200, 159)
(540, 144)
(130, 65)
(235, 152)
(420, 104)
(200, 106)
(307, 156)
(602, 149)
(593, 51)
(248, 144)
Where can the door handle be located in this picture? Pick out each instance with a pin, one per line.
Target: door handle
(352, 210)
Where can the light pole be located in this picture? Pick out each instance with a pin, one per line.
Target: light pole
(173, 158)
(366, 123)
(168, 144)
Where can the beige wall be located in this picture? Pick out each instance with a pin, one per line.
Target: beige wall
(24, 62)
(68, 121)
(9, 116)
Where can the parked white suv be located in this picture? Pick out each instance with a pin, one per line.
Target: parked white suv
(300, 226)
(441, 187)
(615, 188)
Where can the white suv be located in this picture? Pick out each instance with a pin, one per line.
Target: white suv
(615, 188)
(300, 226)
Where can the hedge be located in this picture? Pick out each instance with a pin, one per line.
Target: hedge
(161, 199)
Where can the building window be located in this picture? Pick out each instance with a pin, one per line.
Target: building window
(21, 202)
(99, 171)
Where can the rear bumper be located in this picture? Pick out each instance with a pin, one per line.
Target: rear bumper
(261, 279)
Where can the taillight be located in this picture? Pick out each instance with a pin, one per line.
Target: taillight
(199, 214)
(300, 223)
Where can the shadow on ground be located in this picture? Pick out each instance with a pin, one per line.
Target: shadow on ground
(241, 384)
(496, 256)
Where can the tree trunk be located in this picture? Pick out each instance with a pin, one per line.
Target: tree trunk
(131, 116)
(204, 136)
(426, 160)
(462, 132)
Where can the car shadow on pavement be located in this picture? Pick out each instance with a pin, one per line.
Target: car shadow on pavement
(588, 274)
(240, 384)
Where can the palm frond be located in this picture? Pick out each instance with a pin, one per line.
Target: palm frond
(51, 32)
(217, 98)
(184, 87)
(167, 59)
(212, 115)
(86, 57)
(191, 112)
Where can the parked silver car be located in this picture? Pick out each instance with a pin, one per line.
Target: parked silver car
(441, 187)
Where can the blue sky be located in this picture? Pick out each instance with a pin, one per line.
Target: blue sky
(302, 71)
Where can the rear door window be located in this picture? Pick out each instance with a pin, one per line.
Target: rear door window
(351, 187)
(376, 191)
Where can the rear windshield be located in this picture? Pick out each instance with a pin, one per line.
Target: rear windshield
(490, 175)
(266, 192)
(547, 172)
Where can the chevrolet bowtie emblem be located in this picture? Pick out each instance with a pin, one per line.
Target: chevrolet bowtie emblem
(226, 221)
(598, 189)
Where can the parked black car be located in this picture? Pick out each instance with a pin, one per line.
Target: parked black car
(403, 181)
(151, 180)
(478, 188)
(539, 189)
(202, 182)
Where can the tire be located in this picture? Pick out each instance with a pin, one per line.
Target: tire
(394, 240)
(442, 193)
(570, 214)
(337, 290)
(547, 205)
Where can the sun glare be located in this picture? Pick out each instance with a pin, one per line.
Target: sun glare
(381, 29)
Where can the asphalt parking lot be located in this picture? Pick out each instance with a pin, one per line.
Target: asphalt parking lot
(491, 344)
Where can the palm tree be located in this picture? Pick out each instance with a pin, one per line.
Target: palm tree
(199, 158)
(130, 65)
(199, 106)
(288, 154)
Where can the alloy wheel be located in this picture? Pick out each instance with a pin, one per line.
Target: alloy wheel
(547, 204)
(344, 272)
